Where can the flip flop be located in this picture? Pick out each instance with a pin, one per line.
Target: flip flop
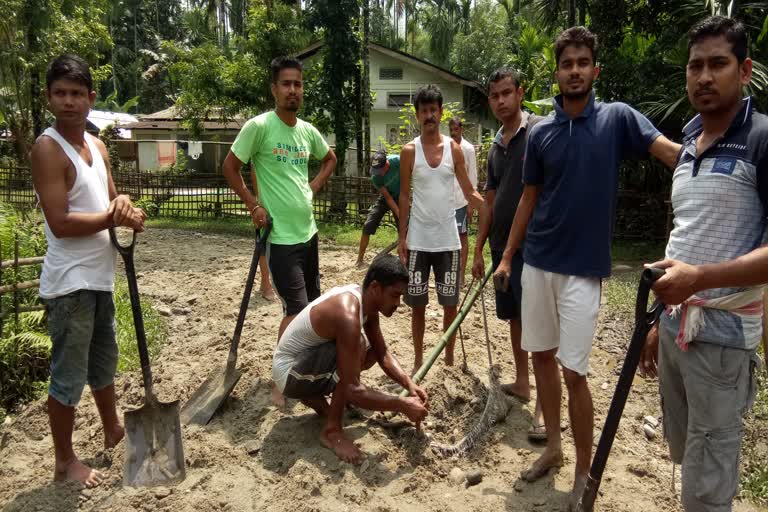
(537, 433)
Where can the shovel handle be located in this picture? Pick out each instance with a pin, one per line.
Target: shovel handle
(138, 319)
(644, 320)
(258, 250)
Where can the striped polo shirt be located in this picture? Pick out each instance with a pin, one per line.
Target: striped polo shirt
(720, 200)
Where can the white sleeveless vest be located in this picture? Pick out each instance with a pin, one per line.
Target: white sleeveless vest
(86, 262)
(300, 335)
(432, 226)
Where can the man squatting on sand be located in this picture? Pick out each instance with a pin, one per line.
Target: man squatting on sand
(330, 342)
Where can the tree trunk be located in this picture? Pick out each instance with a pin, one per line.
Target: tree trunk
(583, 12)
(571, 13)
(366, 86)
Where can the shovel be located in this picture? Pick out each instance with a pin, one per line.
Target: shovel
(207, 399)
(153, 451)
(644, 320)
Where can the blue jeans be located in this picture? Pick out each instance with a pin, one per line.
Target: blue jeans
(82, 329)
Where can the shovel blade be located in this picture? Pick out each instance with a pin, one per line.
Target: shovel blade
(153, 451)
(211, 394)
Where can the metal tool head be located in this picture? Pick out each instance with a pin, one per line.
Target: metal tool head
(207, 399)
(153, 450)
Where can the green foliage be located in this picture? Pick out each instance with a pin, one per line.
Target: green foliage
(150, 207)
(336, 21)
(487, 46)
(154, 328)
(33, 32)
(222, 81)
(24, 360)
(754, 472)
(111, 104)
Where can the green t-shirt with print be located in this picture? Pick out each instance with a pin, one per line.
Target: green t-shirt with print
(391, 180)
(280, 156)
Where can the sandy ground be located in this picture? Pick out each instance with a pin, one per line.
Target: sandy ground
(200, 277)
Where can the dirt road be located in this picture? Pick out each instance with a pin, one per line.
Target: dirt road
(255, 457)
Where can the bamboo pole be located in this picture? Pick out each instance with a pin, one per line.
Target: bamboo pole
(15, 276)
(24, 285)
(35, 260)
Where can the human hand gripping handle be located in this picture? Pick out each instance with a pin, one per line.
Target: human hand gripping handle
(260, 216)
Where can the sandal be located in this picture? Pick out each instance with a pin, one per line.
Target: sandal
(537, 433)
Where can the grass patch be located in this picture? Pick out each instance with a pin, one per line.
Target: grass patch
(754, 470)
(154, 328)
(621, 293)
(638, 251)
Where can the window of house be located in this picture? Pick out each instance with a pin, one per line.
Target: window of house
(393, 133)
(398, 100)
(390, 74)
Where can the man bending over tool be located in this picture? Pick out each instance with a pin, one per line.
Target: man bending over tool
(72, 178)
(717, 263)
(323, 351)
(570, 177)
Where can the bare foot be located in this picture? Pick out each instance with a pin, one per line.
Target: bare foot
(416, 368)
(278, 400)
(543, 464)
(448, 360)
(79, 472)
(576, 493)
(344, 448)
(518, 390)
(268, 293)
(113, 436)
(360, 265)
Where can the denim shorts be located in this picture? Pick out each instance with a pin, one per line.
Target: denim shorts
(82, 329)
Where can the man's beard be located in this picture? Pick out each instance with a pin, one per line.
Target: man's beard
(580, 94)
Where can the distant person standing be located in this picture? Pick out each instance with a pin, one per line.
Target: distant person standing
(566, 215)
(73, 182)
(429, 241)
(279, 144)
(462, 206)
(385, 175)
(503, 188)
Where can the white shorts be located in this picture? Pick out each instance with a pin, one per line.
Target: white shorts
(559, 311)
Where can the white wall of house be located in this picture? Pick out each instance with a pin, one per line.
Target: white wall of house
(395, 80)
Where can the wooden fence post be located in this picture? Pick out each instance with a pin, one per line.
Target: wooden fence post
(1, 284)
(15, 280)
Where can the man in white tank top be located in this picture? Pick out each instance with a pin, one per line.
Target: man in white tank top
(70, 170)
(323, 351)
(429, 239)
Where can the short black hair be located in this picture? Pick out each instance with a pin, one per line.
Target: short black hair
(716, 26)
(69, 67)
(281, 63)
(575, 36)
(386, 270)
(455, 121)
(427, 94)
(505, 72)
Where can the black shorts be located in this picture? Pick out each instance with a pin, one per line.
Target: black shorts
(508, 303)
(375, 215)
(446, 267)
(313, 374)
(295, 271)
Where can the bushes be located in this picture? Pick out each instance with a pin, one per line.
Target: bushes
(25, 349)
